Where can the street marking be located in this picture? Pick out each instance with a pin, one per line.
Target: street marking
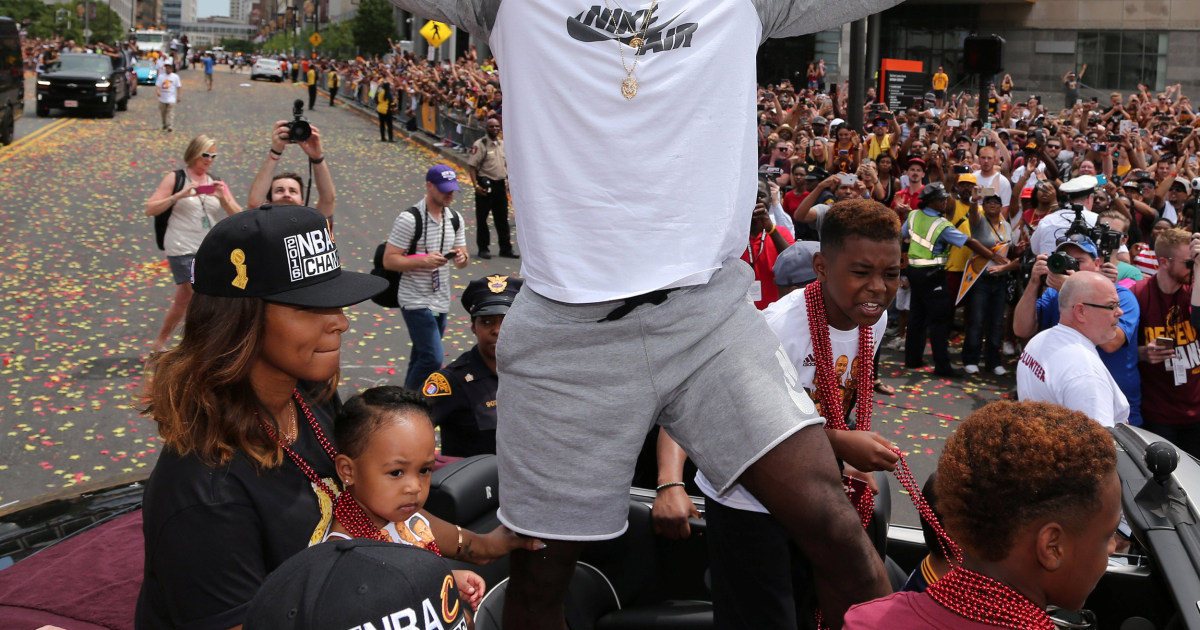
(15, 148)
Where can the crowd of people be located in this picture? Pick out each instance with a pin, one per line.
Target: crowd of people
(1055, 233)
(999, 210)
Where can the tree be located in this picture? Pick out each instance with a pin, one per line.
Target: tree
(233, 45)
(373, 25)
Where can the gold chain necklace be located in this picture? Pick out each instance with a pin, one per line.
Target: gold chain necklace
(293, 432)
(629, 86)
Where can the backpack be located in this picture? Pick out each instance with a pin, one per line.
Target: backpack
(389, 297)
(161, 219)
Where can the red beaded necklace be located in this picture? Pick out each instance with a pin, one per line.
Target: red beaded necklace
(980, 598)
(827, 383)
(346, 510)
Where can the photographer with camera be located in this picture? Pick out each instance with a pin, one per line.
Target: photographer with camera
(1085, 249)
(1055, 225)
(288, 188)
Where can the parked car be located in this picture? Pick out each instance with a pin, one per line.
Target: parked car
(83, 82)
(146, 72)
(88, 561)
(12, 80)
(267, 69)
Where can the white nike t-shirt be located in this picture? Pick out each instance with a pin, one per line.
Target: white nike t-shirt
(657, 190)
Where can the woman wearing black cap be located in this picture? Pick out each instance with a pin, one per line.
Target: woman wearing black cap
(244, 406)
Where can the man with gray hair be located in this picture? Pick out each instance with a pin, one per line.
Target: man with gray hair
(1061, 364)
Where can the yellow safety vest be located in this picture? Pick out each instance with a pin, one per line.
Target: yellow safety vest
(924, 231)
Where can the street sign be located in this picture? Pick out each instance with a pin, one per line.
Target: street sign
(436, 33)
(901, 82)
(315, 39)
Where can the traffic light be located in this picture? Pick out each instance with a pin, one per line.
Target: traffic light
(983, 54)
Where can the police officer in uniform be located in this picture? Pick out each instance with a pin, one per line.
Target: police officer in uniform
(931, 235)
(489, 170)
(463, 394)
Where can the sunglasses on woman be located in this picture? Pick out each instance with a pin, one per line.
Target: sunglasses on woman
(211, 156)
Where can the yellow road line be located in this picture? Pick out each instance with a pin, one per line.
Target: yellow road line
(15, 148)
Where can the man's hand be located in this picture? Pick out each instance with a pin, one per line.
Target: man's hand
(864, 450)
(1041, 269)
(773, 198)
(1155, 354)
(671, 511)
(761, 221)
(280, 135)
(312, 146)
(1110, 271)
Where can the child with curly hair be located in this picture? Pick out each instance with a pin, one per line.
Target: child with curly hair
(1030, 493)
(386, 443)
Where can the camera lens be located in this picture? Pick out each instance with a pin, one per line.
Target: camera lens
(299, 130)
(1060, 263)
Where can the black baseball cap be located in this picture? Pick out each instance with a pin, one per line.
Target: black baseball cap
(492, 295)
(282, 254)
(352, 583)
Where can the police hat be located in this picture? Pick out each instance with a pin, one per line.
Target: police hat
(932, 192)
(1080, 186)
(492, 295)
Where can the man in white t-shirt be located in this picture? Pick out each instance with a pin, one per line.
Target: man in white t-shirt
(631, 250)
(989, 176)
(424, 289)
(1061, 364)
(170, 93)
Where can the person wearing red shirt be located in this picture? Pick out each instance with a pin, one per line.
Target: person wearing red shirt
(1170, 389)
(908, 197)
(767, 240)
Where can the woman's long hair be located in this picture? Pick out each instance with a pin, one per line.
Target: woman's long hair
(200, 392)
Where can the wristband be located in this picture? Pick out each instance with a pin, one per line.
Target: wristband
(459, 550)
(316, 161)
(272, 150)
(772, 230)
(671, 484)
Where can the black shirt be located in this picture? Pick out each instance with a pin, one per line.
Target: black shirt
(463, 395)
(213, 534)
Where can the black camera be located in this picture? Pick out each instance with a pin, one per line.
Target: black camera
(298, 129)
(1060, 263)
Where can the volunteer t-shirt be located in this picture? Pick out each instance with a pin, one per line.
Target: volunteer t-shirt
(788, 317)
(1168, 316)
(693, 112)
(1061, 366)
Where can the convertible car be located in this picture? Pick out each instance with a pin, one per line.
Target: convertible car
(89, 545)
(146, 72)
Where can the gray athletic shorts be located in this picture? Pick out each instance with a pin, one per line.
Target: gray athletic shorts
(181, 267)
(577, 398)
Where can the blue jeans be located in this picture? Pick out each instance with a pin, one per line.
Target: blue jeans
(987, 298)
(425, 330)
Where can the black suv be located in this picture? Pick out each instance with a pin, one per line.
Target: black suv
(81, 81)
(12, 79)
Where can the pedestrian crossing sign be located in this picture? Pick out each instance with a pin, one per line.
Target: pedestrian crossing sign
(315, 39)
(436, 33)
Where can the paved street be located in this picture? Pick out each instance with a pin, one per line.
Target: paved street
(85, 287)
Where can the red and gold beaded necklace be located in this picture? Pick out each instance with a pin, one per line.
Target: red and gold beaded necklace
(980, 598)
(827, 383)
(346, 510)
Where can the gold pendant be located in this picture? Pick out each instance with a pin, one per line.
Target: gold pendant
(636, 43)
(629, 87)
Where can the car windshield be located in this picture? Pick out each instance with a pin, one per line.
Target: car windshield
(142, 63)
(150, 38)
(84, 63)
